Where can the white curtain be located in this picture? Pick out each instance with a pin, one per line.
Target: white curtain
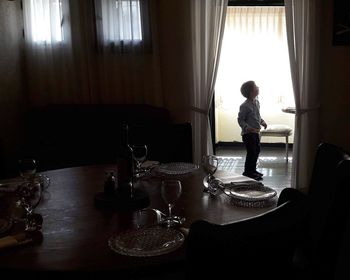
(52, 76)
(302, 18)
(121, 21)
(207, 26)
(66, 64)
(125, 53)
(123, 25)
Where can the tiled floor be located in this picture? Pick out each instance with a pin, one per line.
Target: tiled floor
(272, 163)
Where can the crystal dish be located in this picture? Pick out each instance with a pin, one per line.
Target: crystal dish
(253, 195)
(252, 192)
(176, 168)
(146, 242)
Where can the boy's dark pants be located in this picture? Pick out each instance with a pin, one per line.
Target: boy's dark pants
(252, 144)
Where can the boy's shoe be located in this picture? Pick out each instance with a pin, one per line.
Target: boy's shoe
(252, 175)
(258, 173)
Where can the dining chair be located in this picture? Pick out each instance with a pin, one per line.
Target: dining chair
(302, 238)
(333, 255)
(325, 214)
(252, 248)
(340, 264)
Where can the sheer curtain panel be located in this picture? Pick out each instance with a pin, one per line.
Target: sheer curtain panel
(123, 25)
(302, 18)
(207, 27)
(43, 21)
(124, 53)
(50, 69)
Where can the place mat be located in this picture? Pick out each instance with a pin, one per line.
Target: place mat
(146, 242)
(235, 182)
(176, 168)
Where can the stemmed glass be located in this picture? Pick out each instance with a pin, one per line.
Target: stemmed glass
(27, 168)
(30, 196)
(30, 191)
(210, 165)
(171, 191)
(139, 154)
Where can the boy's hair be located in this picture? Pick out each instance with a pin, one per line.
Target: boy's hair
(247, 88)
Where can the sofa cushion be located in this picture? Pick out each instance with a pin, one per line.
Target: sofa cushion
(65, 135)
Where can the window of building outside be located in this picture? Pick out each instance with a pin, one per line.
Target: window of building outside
(254, 48)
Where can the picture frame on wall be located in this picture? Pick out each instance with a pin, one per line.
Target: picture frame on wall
(341, 22)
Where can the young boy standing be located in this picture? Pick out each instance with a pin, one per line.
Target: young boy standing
(250, 121)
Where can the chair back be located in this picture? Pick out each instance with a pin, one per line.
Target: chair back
(323, 188)
(325, 214)
(250, 247)
(332, 250)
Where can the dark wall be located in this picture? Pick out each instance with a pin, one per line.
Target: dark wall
(334, 84)
(11, 81)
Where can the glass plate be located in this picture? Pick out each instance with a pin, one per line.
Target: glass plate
(252, 192)
(145, 242)
(176, 168)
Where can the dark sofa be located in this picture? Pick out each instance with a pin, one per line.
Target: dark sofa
(65, 135)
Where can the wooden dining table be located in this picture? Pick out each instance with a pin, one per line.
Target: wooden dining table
(75, 232)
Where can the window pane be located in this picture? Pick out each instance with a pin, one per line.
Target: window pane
(45, 17)
(121, 20)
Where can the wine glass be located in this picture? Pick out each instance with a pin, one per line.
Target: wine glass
(139, 154)
(210, 165)
(171, 191)
(30, 196)
(27, 168)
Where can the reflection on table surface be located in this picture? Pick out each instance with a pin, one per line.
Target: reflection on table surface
(76, 233)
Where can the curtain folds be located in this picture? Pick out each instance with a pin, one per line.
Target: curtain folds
(302, 34)
(123, 26)
(207, 27)
(52, 72)
(74, 69)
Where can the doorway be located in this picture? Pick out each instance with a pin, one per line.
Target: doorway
(255, 48)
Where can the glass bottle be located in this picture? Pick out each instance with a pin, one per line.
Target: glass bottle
(124, 160)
